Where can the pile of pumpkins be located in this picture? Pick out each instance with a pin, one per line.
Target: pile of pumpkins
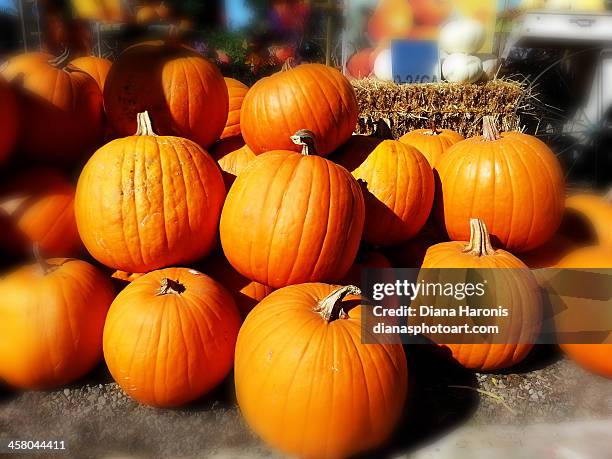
(189, 159)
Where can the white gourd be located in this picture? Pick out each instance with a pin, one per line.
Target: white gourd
(382, 66)
(461, 68)
(462, 36)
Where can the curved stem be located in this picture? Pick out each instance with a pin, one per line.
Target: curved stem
(43, 265)
(489, 130)
(144, 124)
(61, 60)
(170, 287)
(480, 241)
(306, 139)
(288, 64)
(330, 307)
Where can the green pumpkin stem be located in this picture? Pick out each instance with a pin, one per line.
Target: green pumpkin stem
(306, 139)
(170, 287)
(330, 307)
(144, 126)
(489, 130)
(480, 241)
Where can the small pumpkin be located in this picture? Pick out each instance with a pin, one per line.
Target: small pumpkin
(310, 96)
(95, 67)
(361, 64)
(308, 219)
(9, 120)
(462, 68)
(147, 201)
(184, 92)
(398, 190)
(519, 294)
(233, 161)
(51, 320)
(464, 36)
(237, 91)
(432, 142)
(362, 388)
(169, 336)
(587, 219)
(512, 181)
(37, 206)
(146, 14)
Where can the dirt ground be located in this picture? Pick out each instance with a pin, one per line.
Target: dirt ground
(451, 413)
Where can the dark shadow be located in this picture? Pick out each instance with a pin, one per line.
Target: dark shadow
(6, 394)
(541, 356)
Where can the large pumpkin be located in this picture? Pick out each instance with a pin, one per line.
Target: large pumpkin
(184, 92)
(305, 382)
(146, 201)
(514, 288)
(51, 319)
(61, 108)
(237, 91)
(169, 337)
(9, 120)
(594, 357)
(233, 156)
(512, 182)
(398, 190)
(588, 219)
(310, 96)
(432, 142)
(291, 218)
(95, 67)
(37, 206)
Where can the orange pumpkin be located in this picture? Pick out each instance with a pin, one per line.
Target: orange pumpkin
(184, 93)
(515, 289)
(61, 108)
(51, 319)
(169, 337)
(299, 357)
(431, 12)
(95, 67)
(433, 142)
(146, 15)
(588, 219)
(9, 120)
(392, 19)
(398, 190)
(232, 158)
(366, 259)
(596, 358)
(292, 218)
(361, 64)
(37, 206)
(147, 201)
(310, 96)
(512, 181)
(237, 91)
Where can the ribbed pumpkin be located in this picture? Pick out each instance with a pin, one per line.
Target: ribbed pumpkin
(9, 120)
(95, 67)
(588, 218)
(233, 156)
(51, 319)
(398, 190)
(184, 92)
(169, 336)
(366, 259)
(37, 206)
(512, 181)
(237, 91)
(61, 108)
(519, 294)
(146, 201)
(310, 96)
(596, 358)
(291, 218)
(432, 142)
(246, 293)
(305, 382)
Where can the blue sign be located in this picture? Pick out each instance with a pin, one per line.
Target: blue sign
(415, 61)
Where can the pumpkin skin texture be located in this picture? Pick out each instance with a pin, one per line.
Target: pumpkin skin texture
(400, 191)
(237, 91)
(588, 219)
(51, 324)
(9, 120)
(520, 294)
(146, 201)
(288, 348)
(310, 96)
(169, 337)
(596, 358)
(184, 93)
(95, 67)
(512, 182)
(233, 161)
(37, 206)
(291, 218)
(62, 118)
(433, 143)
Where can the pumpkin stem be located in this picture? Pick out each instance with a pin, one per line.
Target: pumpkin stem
(144, 124)
(43, 265)
(489, 130)
(306, 139)
(330, 307)
(61, 60)
(433, 128)
(169, 286)
(608, 196)
(480, 241)
(382, 130)
(288, 64)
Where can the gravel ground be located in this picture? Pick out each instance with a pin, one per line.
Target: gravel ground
(97, 420)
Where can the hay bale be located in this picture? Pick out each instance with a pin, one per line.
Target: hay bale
(455, 106)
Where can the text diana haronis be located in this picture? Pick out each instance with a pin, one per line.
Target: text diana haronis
(412, 290)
